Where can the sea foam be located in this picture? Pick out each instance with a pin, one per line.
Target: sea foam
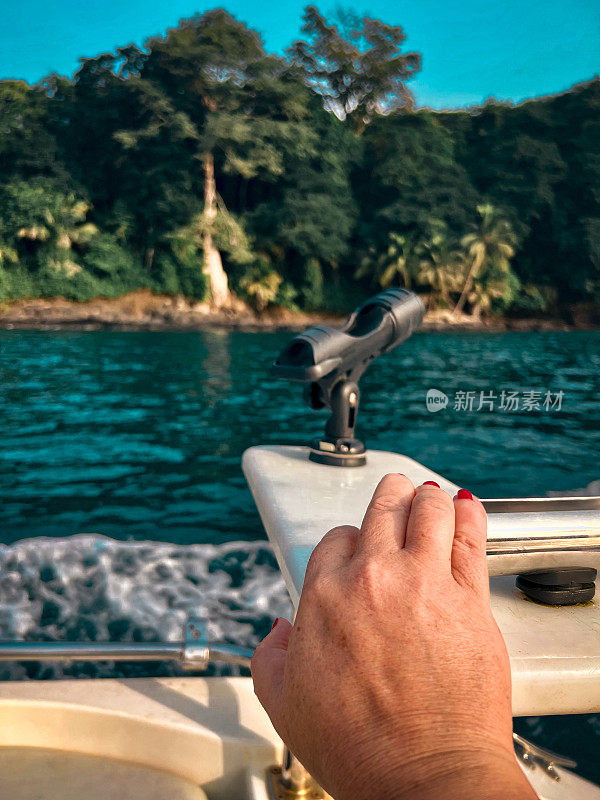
(92, 588)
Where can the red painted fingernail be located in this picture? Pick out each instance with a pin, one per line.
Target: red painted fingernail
(275, 623)
(464, 494)
(431, 483)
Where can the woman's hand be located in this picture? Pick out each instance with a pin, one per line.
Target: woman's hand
(394, 680)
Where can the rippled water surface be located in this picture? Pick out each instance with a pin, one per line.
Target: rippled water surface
(138, 436)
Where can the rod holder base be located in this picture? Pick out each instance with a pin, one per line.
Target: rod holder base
(338, 452)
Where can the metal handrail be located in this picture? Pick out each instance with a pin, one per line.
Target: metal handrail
(527, 545)
(512, 505)
(533, 533)
(532, 755)
(194, 653)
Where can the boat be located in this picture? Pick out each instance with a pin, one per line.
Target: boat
(197, 737)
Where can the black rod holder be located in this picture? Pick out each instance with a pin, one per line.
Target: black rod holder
(330, 361)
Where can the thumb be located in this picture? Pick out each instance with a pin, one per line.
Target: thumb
(268, 663)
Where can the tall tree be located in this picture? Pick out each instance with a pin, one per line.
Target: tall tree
(214, 69)
(400, 259)
(489, 246)
(439, 265)
(360, 71)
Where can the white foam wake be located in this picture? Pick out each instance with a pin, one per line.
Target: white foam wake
(91, 588)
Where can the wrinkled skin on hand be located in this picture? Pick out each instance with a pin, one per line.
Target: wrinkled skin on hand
(394, 680)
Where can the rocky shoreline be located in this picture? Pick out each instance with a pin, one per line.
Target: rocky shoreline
(142, 310)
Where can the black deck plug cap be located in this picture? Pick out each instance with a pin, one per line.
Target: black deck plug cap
(564, 586)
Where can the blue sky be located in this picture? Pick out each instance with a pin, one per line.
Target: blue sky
(474, 49)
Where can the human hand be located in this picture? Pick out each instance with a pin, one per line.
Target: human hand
(394, 680)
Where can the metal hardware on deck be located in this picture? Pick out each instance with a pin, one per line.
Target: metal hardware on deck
(566, 586)
(195, 653)
(512, 505)
(523, 555)
(535, 534)
(543, 544)
(198, 651)
(291, 781)
(90, 651)
(294, 777)
(534, 756)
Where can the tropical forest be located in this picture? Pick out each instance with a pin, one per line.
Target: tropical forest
(202, 166)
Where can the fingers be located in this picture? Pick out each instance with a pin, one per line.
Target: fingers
(430, 527)
(334, 550)
(469, 565)
(268, 663)
(384, 525)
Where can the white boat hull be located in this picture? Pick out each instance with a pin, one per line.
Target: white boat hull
(156, 739)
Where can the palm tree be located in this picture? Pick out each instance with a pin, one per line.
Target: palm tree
(64, 225)
(400, 258)
(492, 287)
(439, 265)
(490, 245)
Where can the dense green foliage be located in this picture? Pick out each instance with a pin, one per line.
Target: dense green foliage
(202, 164)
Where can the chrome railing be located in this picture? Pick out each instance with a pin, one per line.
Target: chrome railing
(532, 533)
(195, 652)
(510, 505)
(532, 756)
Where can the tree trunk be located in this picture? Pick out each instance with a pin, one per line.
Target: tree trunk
(213, 266)
(444, 293)
(149, 258)
(477, 261)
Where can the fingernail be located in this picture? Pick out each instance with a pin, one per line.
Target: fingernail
(431, 483)
(464, 494)
(275, 623)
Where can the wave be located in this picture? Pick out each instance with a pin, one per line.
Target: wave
(92, 588)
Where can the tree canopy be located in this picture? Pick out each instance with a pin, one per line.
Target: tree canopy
(200, 164)
(360, 71)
